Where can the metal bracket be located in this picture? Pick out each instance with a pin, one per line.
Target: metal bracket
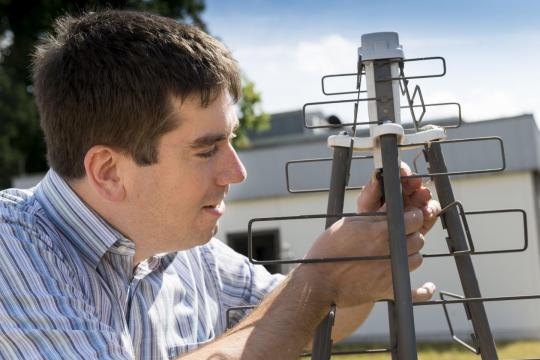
(458, 117)
(471, 251)
(364, 144)
(468, 172)
(305, 161)
(473, 348)
(355, 101)
(228, 316)
(442, 73)
(459, 299)
(230, 319)
(419, 139)
(462, 213)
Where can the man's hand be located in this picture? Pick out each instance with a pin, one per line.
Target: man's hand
(284, 322)
(357, 282)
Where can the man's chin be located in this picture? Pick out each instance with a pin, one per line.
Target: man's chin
(199, 238)
(206, 236)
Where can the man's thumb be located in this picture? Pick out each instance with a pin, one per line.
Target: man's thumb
(369, 199)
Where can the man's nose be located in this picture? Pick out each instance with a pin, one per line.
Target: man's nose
(233, 170)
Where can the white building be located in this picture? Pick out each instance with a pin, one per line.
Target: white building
(264, 194)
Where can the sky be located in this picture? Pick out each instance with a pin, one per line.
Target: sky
(492, 49)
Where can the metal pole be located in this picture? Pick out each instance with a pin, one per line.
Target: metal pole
(322, 342)
(402, 331)
(404, 318)
(457, 242)
(392, 329)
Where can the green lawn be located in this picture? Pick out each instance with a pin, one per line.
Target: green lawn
(512, 350)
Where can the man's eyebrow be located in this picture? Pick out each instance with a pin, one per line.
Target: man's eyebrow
(207, 140)
(211, 139)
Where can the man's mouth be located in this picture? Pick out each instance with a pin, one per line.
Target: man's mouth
(214, 205)
(216, 209)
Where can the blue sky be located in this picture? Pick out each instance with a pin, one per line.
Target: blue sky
(492, 48)
(312, 18)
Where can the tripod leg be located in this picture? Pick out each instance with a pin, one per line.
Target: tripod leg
(403, 320)
(322, 342)
(393, 329)
(391, 305)
(457, 242)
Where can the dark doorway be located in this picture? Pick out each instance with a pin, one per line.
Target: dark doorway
(265, 246)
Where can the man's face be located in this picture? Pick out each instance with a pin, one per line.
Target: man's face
(180, 198)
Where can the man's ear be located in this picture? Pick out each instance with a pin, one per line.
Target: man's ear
(103, 171)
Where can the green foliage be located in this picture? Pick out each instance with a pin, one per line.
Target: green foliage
(22, 148)
(251, 115)
(21, 144)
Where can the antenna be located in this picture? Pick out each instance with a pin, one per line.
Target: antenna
(381, 62)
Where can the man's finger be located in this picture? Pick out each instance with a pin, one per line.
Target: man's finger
(415, 260)
(414, 220)
(430, 214)
(415, 243)
(370, 197)
(423, 293)
(409, 185)
(419, 198)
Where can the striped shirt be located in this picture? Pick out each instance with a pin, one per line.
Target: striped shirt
(68, 289)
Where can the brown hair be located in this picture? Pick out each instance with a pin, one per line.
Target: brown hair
(107, 78)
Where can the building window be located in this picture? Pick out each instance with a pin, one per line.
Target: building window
(265, 246)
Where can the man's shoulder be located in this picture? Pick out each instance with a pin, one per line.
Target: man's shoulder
(29, 235)
(23, 219)
(16, 196)
(19, 206)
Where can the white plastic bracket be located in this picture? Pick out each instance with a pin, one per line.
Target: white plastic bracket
(426, 134)
(380, 130)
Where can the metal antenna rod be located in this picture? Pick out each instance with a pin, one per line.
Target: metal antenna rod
(380, 52)
(322, 342)
(403, 311)
(457, 242)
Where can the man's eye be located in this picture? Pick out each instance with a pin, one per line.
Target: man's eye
(208, 153)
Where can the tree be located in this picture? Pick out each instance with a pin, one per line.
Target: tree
(22, 148)
(251, 115)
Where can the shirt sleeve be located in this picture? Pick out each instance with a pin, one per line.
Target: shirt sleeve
(241, 282)
(43, 310)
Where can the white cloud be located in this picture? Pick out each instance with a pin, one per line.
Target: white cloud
(289, 75)
(487, 103)
(330, 54)
(489, 81)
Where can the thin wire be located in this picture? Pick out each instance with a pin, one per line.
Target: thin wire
(355, 121)
(358, 84)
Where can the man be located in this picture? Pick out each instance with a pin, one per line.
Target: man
(111, 256)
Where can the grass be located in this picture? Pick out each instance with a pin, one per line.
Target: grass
(510, 350)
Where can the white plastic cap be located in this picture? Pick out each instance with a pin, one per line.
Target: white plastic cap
(380, 45)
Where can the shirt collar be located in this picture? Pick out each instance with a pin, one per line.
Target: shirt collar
(82, 226)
